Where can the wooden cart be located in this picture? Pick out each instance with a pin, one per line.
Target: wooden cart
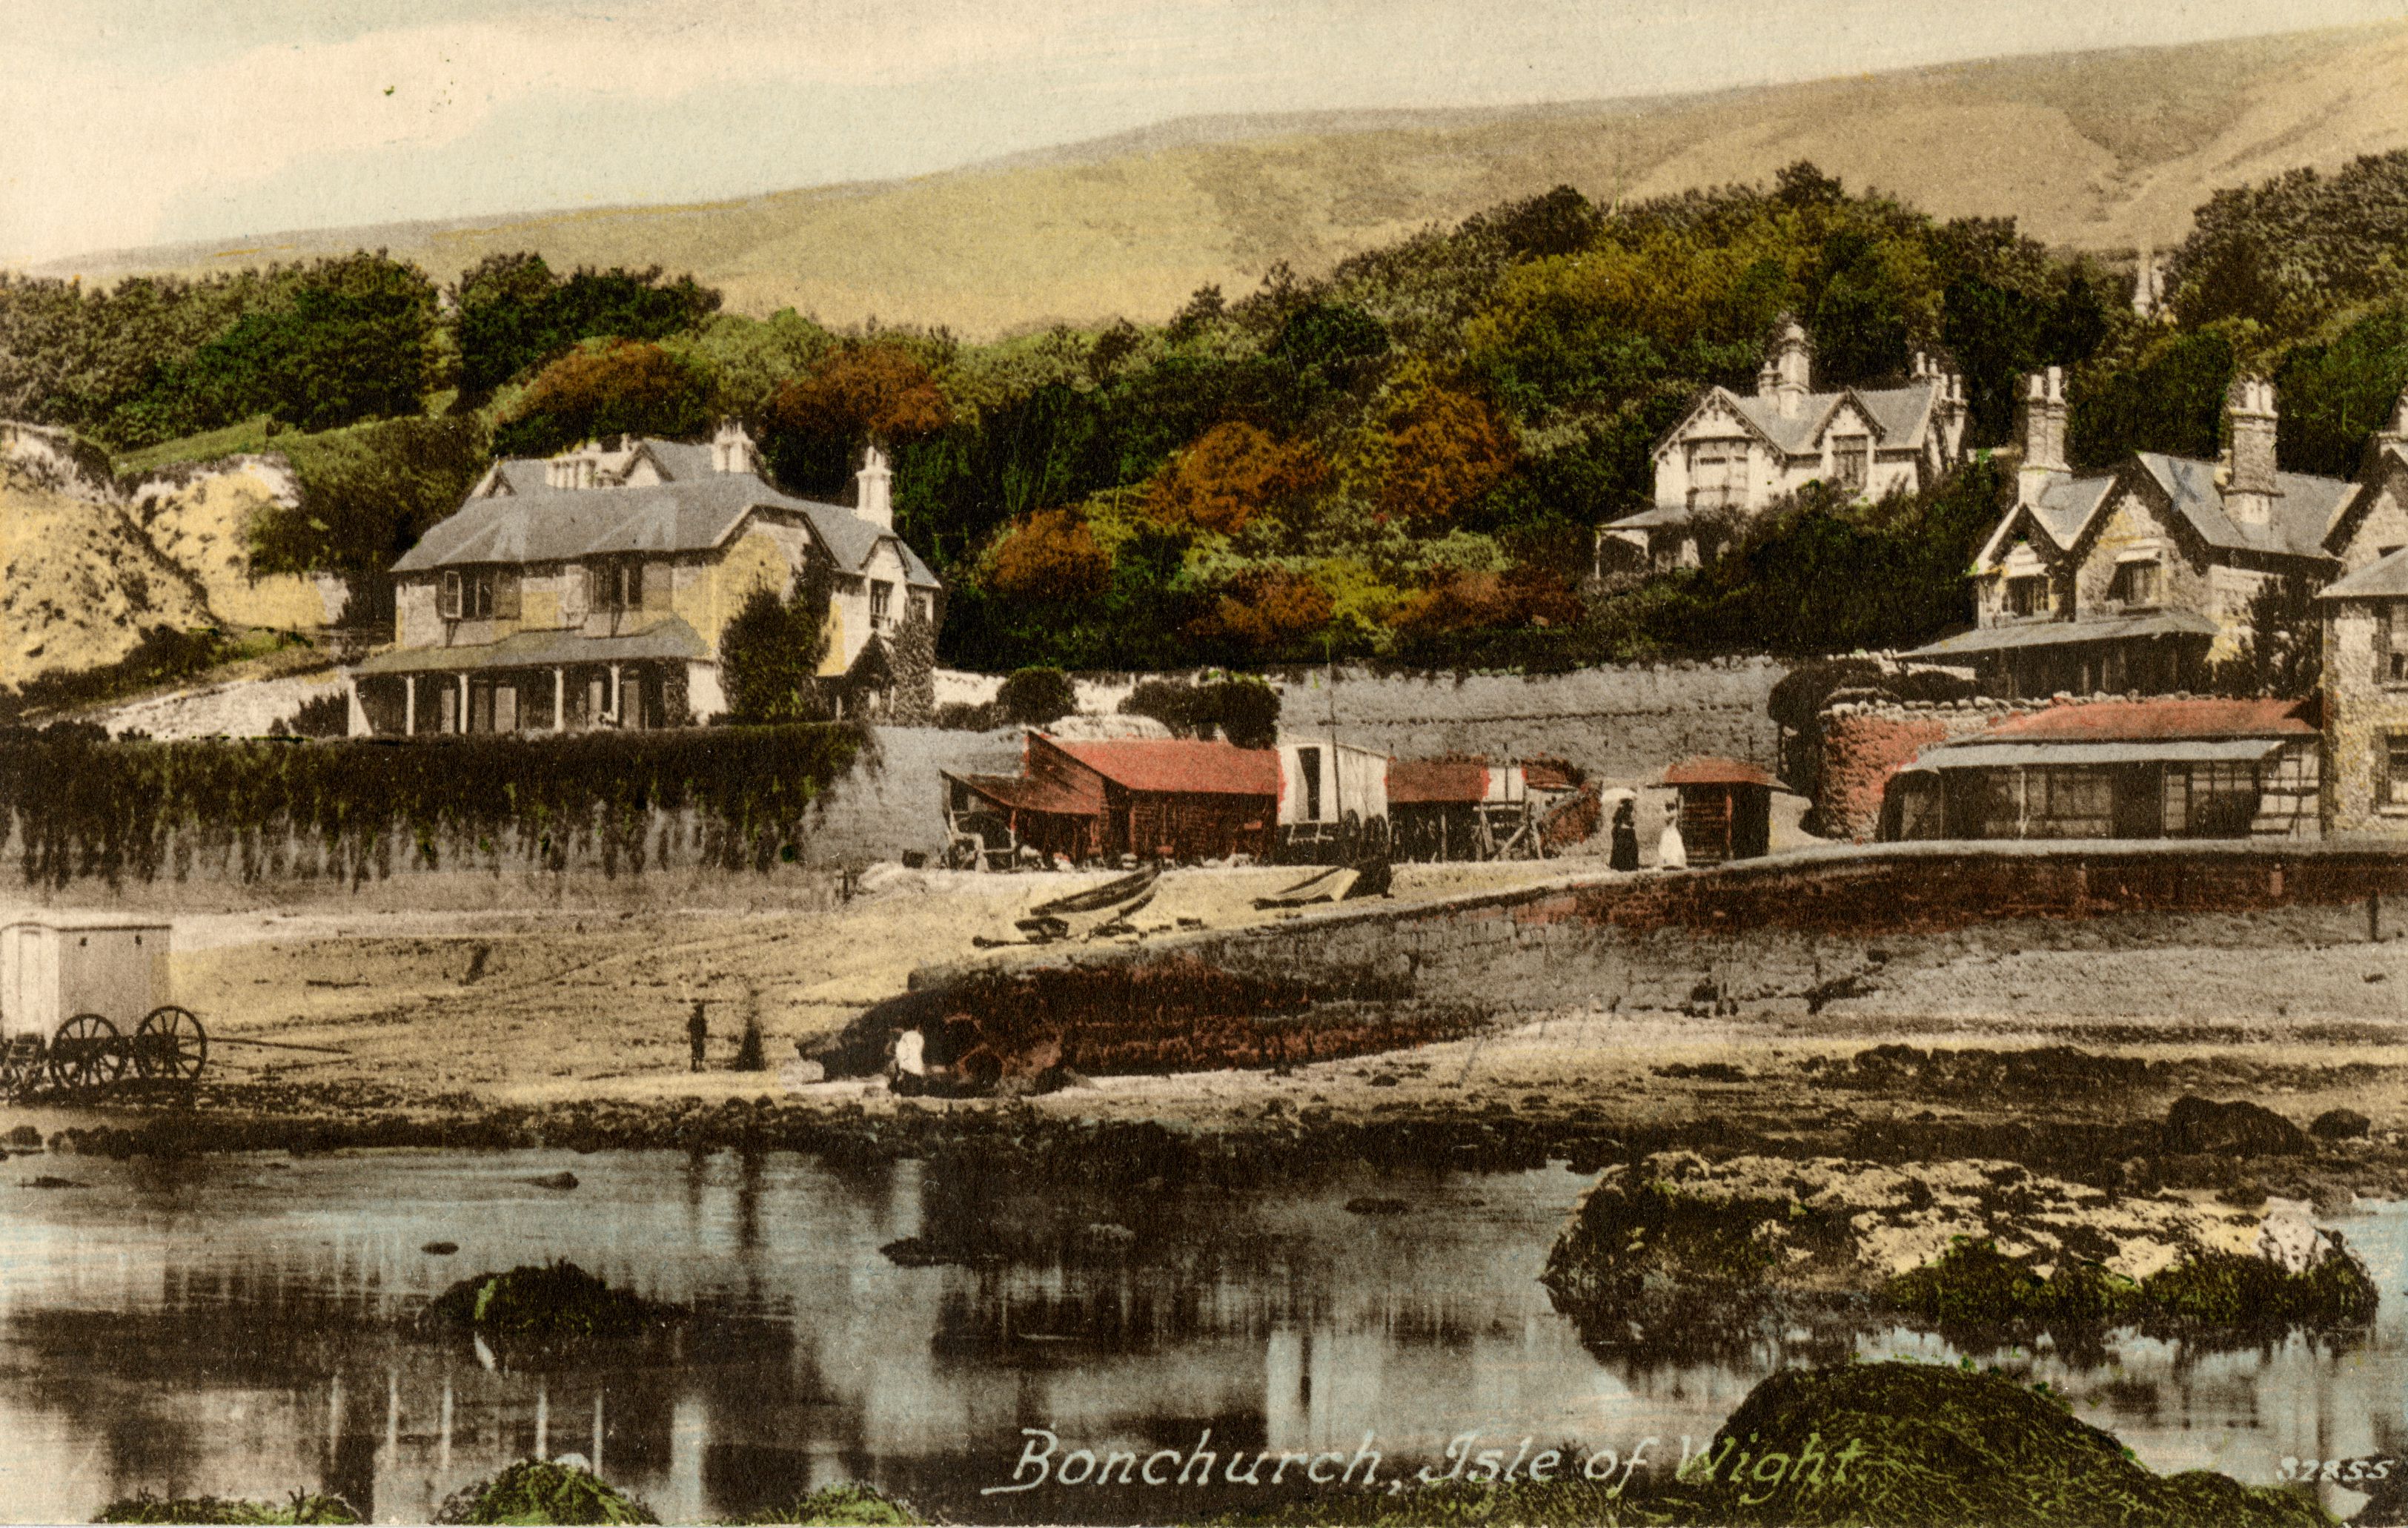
(83, 1004)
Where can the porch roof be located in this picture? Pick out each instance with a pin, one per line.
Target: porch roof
(671, 640)
(1999, 755)
(2165, 622)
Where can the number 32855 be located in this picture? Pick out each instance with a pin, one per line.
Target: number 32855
(2345, 1472)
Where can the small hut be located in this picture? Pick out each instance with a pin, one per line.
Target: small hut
(1725, 809)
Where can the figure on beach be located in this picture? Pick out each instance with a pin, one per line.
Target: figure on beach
(1626, 835)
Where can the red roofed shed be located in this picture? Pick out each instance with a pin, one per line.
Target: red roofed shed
(1725, 809)
(1167, 798)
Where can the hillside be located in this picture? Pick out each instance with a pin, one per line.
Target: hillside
(77, 583)
(2102, 150)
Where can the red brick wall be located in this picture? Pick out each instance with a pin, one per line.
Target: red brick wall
(1864, 745)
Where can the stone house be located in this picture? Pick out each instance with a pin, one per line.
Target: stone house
(2366, 700)
(1734, 455)
(2137, 578)
(590, 589)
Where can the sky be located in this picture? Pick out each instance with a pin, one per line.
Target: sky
(126, 122)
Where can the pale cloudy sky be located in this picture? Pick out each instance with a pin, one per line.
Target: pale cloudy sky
(130, 122)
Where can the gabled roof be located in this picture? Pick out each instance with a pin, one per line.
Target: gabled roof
(1898, 415)
(2062, 507)
(2385, 578)
(1179, 766)
(2387, 457)
(2303, 506)
(521, 520)
(2159, 720)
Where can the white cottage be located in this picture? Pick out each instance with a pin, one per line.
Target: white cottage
(1734, 455)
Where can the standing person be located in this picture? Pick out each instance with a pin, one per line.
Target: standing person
(1670, 853)
(1626, 834)
(697, 1034)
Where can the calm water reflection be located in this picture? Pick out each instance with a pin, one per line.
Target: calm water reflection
(238, 1326)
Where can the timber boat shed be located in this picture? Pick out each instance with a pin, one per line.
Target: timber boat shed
(1165, 799)
(1725, 809)
(2177, 767)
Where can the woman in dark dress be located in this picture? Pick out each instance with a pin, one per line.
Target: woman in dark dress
(1626, 835)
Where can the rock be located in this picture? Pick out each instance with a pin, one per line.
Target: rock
(25, 1137)
(2340, 1125)
(2200, 1126)
(46, 1181)
(1649, 1238)
(440, 1249)
(1374, 1205)
(562, 1180)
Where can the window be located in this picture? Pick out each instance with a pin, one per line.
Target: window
(881, 598)
(469, 596)
(1852, 458)
(2396, 651)
(1308, 764)
(2134, 583)
(2391, 770)
(922, 607)
(618, 585)
(2027, 597)
(1714, 472)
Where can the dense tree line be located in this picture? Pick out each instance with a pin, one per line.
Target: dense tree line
(1404, 458)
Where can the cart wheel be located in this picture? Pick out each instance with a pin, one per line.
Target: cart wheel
(171, 1044)
(87, 1052)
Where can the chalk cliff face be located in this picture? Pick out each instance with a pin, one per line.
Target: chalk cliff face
(87, 566)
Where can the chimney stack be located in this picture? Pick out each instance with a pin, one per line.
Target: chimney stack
(2249, 424)
(872, 488)
(1788, 373)
(732, 449)
(2040, 424)
(2396, 432)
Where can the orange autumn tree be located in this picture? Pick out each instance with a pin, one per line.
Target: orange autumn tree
(1444, 449)
(1049, 555)
(1266, 612)
(1232, 474)
(875, 390)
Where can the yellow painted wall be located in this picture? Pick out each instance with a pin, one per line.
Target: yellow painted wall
(706, 597)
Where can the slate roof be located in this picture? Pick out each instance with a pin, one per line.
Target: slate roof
(1179, 766)
(2164, 623)
(696, 510)
(2303, 507)
(2384, 578)
(668, 638)
(1898, 415)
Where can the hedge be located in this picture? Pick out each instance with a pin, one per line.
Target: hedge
(78, 805)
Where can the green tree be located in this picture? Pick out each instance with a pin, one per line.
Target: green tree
(772, 650)
(514, 313)
(1035, 697)
(2282, 655)
(606, 387)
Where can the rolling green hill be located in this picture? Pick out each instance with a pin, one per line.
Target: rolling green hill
(2105, 151)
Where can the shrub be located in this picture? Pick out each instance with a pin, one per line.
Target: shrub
(320, 717)
(536, 1491)
(82, 806)
(842, 1506)
(1034, 697)
(962, 716)
(1249, 713)
(771, 652)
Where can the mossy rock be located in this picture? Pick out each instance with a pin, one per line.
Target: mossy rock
(1975, 1284)
(302, 1507)
(846, 1505)
(1924, 1445)
(548, 1305)
(537, 1491)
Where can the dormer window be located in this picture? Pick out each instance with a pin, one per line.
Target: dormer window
(477, 594)
(618, 583)
(881, 603)
(2027, 596)
(2135, 584)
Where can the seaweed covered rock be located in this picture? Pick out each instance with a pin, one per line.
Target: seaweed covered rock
(2198, 1125)
(547, 1305)
(539, 1491)
(1965, 1240)
(300, 1508)
(1917, 1444)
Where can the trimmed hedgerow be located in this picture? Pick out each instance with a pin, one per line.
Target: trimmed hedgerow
(79, 806)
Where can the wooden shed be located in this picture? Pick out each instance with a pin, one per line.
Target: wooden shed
(1157, 798)
(1725, 809)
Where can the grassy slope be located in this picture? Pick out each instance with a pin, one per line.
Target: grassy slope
(2109, 150)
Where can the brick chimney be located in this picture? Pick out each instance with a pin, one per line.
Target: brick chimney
(2249, 420)
(872, 488)
(1788, 373)
(2041, 425)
